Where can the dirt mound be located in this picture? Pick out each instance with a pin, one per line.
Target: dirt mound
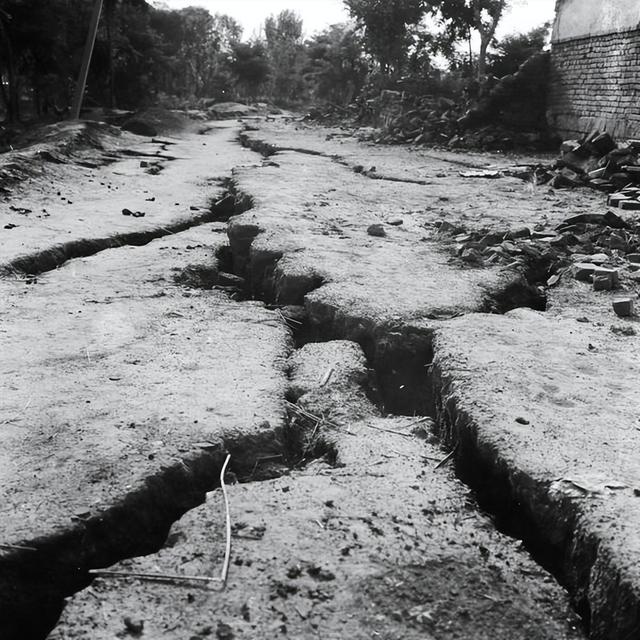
(152, 122)
(60, 143)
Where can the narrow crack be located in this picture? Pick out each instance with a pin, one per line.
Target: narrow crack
(267, 149)
(53, 257)
(52, 568)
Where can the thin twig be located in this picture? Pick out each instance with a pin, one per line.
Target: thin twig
(263, 459)
(417, 422)
(311, 416)
(17, 416)
(227, 551)
(316, 419)
(103, 573)
(448, 457)
(326, 377)
(311, 439)
(287, 319)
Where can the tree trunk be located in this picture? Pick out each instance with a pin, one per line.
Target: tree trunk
(13, 102)
(486, 31)
(110, 79)
(482, 57)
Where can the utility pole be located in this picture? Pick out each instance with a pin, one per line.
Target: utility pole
(86, 61)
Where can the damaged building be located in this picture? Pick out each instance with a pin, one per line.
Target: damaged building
(595, 68)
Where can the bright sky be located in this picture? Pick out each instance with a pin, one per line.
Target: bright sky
(317, 14)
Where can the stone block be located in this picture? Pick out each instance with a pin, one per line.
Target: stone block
(624, 307)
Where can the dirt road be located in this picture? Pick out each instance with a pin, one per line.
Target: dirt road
(313, 306)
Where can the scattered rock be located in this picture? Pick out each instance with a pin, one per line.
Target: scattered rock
(134, 628)
(224, 631)
(623, 330)
(376, 230)
(318, 573)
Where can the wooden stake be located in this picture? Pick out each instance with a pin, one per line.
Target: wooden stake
(227, 552)
(86, 61)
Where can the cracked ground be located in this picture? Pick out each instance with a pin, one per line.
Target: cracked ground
(420, 447)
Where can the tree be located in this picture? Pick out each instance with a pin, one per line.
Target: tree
(283, 42)
(8, 88)
(336, 68)
(460, 17)
(513, 50)
(250, 66)
(389, 27)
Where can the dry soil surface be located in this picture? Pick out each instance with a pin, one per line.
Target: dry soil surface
(338, 345)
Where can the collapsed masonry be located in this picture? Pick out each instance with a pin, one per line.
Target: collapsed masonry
(509, 113)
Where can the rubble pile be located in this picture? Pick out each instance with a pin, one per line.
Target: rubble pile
(597, 161)
(428, 120)
(602, 249)
(497, 115)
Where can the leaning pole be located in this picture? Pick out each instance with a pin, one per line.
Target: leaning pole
(86, 61)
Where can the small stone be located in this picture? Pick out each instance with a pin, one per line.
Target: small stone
(599, 258)
(471, 256)
(634, 258)
(324, 575)
(583, 271)
(133, 627)
(395, 222)
(376, 230)
(127, 212)
(522, 232)
(623, 330)
(447, 227)
(224, 631)
(522, 421)
(623, 307)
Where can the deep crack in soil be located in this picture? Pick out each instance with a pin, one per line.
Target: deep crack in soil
(405, 379)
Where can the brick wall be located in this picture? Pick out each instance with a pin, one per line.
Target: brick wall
(595, 83)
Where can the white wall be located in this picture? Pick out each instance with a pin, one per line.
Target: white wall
(580, 18)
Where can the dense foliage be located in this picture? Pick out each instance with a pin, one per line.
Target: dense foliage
(149, 54)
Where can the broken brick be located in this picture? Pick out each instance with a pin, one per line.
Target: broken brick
(623, 307)
(602, 283)
(630, 205)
